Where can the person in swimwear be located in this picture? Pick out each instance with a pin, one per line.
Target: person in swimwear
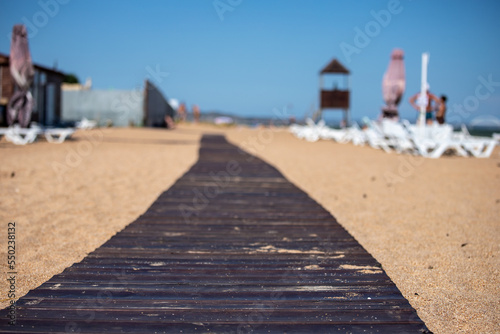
(427, 100)
(441, 112)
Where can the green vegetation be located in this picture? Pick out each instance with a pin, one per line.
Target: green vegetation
(71, 78)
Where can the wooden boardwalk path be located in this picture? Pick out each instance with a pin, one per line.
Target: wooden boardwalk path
(231, 247)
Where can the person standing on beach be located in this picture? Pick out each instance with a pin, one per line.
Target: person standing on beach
(418, 100)
(169, 122)
(182, 112)
(441, 111)
(196, 113)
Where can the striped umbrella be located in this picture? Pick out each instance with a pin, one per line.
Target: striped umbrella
(21, 69)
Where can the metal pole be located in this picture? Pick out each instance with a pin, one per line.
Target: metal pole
(320, 106)
(423, 89)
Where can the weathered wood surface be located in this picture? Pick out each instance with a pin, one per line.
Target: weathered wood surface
(231, 247)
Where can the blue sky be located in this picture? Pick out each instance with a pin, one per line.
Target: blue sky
(250, 57)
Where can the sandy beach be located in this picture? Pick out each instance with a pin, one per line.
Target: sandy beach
(434, 225)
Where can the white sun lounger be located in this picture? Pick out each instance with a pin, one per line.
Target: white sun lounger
(21, 136)
(375, 140)
(333, 134)
(58, 136)
(307, 132)
(85, 124)
(479, 147)
(432, 141)
(355, 135)
(445, 145)
(398, 137)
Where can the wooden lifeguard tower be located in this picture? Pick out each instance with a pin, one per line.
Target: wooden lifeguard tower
(335, 98)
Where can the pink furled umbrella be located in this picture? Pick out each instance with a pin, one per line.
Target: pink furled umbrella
(21, 69)
(393, 84)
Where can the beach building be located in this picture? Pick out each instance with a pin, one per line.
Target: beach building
(146, 106)
(335, 98)
(78, 86)
(46, 91)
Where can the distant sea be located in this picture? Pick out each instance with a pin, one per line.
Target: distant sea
(475, 130)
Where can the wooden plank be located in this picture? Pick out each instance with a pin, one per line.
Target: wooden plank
(198, 304)
(222, 315)
(251, 323)
(231, 247)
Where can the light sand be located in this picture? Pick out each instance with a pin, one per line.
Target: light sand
(433, 224)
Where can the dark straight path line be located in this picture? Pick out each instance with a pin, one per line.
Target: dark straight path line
(231, 247)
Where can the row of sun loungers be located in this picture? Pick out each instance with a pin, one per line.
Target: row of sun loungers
(430, 141)
(22, 136)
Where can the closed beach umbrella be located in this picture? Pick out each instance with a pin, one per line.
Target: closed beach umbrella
(393, 83)
(21, 69)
